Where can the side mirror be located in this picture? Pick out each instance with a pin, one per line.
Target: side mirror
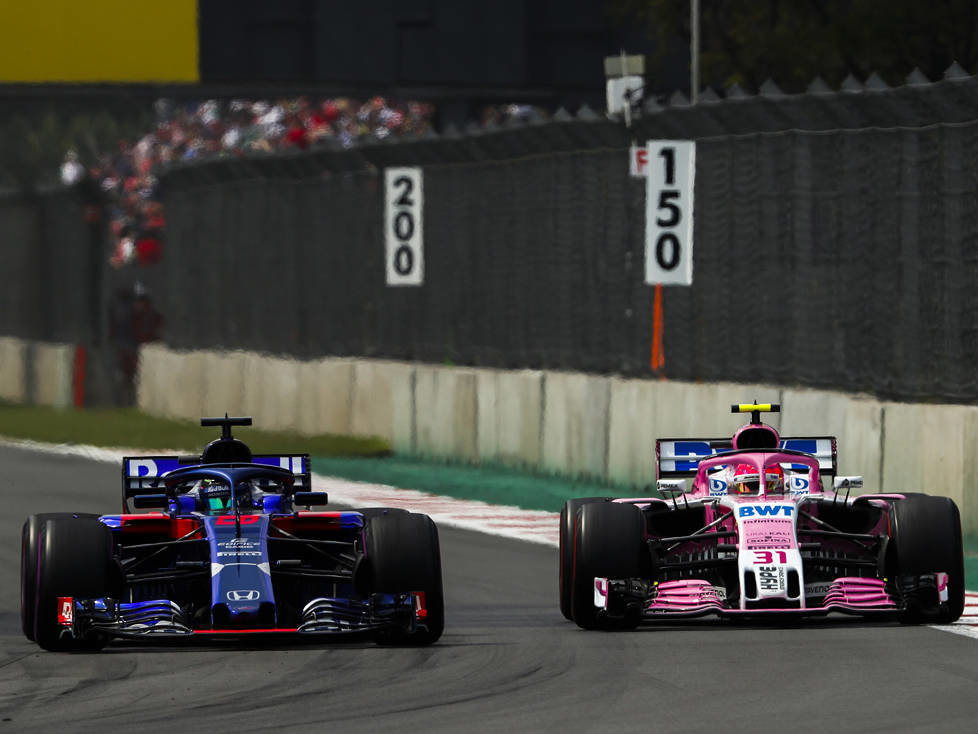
(308, 499)
(847, 483)
(675, 486)
(151, 501)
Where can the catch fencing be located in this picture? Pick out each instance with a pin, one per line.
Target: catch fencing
(836, 243)
(829, 257)
(51, 246)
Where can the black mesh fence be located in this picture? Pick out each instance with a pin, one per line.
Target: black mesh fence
(838, 258)
(51, 247)
(835, 246)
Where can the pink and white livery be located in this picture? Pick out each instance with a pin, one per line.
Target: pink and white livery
(757, 532)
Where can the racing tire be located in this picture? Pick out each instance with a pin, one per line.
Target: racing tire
(925, 537)
(74, 558)
(372, 512)
(565, 579)
(403, 555)
(609, 542)
(28, 565)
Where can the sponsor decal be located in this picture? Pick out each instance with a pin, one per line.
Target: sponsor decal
(238, 543)
(765, 510)
(245, 519)
(770, 578)
(600, 593)
(819, 588)
(718, 591)
(142, 468)
(718, 487)
(799, 485)
(420, 605)
(292, 463)
(238, 553)
(769, 539)
(66, 607)
(692, 449)
(243, 595)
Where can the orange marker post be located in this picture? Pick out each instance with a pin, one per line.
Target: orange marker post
(658, 353)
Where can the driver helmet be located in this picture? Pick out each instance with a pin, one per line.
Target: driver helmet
(248, 495)
(745, 479)
(774, 478)
(212, 495)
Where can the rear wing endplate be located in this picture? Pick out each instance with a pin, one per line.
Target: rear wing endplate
(143, 474)
(680, 457)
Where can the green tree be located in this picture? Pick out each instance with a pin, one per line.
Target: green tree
(793, 41)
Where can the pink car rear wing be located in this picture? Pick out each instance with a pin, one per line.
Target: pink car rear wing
(680, 457)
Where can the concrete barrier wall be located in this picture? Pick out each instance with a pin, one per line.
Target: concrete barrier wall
(271, 391)
(53, 369)
(325, 397)
(576, 415)
(930, 448)
(13, 375)
(509, 405)
(383, 403)
(159, 378)
(566, 423)
(223, 384)
(445, 413)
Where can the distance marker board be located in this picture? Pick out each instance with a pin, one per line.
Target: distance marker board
(670, 168)
(404, 243)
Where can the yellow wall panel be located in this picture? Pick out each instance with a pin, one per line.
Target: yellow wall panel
(98, 41)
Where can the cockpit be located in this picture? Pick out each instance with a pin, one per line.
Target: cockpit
(221, 491)
(739, 474)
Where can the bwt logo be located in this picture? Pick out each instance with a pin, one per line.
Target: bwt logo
(246, 595)
(766, 510)
(799, 485)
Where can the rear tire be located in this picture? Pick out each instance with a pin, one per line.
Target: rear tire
(925, 537)
(403, 555)
(28, 565)
(608, 543)
(565, 580)
(74, 558)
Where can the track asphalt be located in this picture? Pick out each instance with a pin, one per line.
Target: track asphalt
(508, 661)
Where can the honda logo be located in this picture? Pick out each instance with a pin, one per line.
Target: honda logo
(247, 595)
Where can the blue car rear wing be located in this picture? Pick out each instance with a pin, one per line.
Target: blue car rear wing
(143, 474)
(680, 457)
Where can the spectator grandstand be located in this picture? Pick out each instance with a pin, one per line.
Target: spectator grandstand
(186, 131)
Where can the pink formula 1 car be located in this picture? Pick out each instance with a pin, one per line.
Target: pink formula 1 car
(757, 533)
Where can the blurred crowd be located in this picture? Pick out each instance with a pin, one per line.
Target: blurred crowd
(187, 131)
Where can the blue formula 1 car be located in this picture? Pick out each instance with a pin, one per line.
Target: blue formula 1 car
(227, 545)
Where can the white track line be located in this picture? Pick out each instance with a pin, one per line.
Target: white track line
(506, 521)
(968, 624)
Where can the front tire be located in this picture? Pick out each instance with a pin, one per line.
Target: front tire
(404, 555)
(565, 580)
(609, 543)
(74, 559)
(925, 537)
(28, 565)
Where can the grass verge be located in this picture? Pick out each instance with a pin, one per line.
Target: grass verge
(128, 428)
